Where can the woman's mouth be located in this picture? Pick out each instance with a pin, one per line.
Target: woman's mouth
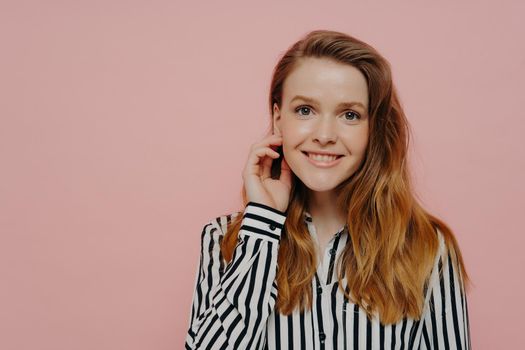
(323, 161)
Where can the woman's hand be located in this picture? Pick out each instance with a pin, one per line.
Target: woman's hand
(259, 185)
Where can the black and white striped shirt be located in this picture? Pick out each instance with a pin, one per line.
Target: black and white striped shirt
(233, 304)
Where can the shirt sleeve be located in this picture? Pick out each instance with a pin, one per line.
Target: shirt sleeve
(446, 322)
(232, 304)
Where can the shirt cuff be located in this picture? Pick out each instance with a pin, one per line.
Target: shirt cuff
(262, 221)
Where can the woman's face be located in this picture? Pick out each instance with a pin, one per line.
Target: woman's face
(330, 116)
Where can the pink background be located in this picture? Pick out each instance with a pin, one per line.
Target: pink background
(125, 127)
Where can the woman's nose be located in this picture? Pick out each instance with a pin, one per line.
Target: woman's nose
(326, 130)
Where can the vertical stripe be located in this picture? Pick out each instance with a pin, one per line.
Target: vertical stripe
(277, 331)
(393, 339)
(414, 329)
(302, 333)
(402, 333)
(210, 270)
(368, 334)
(321, 335)
(335, 331)
(333, 252)
(345, 331)
(356, 326)
(260, 284)
(265, 339)
(290, 331)
(270, 330)
(374, 339)
(237, 297)
(443, 309)
(467, 324)
(453, 297)
(260, 341)
(381, 336)
(254, 298)
(426, 337)
(434, 326)
(313, 324)
(388, 336)
(464, 324)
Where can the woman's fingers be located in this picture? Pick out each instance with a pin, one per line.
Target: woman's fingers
(261, 151)
(286, 172)
(265, 157)
(267, 163)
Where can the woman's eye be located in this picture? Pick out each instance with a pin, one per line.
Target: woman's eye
(357, 116)
(301, 108)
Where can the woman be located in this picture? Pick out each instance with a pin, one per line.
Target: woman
(331, 249)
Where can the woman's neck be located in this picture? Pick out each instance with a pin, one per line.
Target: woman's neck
(328, 218)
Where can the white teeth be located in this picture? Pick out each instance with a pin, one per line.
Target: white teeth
(322, 158)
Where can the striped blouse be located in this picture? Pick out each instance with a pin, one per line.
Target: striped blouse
(233, 304)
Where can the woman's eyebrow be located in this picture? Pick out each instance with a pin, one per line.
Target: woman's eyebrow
(342, 104)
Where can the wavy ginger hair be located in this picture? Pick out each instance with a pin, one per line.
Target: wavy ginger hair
(393, 241)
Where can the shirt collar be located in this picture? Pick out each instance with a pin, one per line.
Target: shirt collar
(308, 218)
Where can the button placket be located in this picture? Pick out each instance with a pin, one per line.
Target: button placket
(319, 287)
(322, 337)
(327, 256)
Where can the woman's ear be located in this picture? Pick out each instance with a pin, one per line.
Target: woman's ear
(276, 117)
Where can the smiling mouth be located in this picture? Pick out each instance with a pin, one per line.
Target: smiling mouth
(323, 157)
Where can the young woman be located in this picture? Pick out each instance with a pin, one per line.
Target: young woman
(331, 249)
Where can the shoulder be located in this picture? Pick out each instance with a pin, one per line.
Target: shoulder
(218, 225)
(447, 264)
(442, 257)
(448, 251)
(442, 247)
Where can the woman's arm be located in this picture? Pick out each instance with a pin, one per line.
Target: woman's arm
(446, 323)
(230, 308)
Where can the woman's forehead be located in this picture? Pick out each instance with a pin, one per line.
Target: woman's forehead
(326, 83)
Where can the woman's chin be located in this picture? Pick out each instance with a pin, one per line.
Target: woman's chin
(320, 185)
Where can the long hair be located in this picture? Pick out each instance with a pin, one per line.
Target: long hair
(393, 240)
